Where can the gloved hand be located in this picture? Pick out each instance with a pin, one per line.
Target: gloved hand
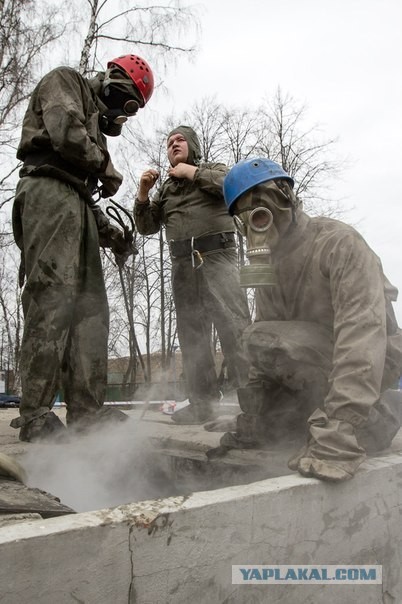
(122, 245)
(121, 242)
(111, 180)
(332, 452)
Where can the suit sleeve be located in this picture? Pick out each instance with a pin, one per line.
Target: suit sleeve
(209, 178)
(149, 216)
(61, 98)
(360, 335)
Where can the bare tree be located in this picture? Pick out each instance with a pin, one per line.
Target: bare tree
(10, 312)
(243, 133)
(227, 134)
(123, 284)
(207, 119)
(158, 27)
(277, 130)
(24, 36)
(302, 151)
(154, 308)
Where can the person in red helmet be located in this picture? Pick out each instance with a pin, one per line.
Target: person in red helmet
(59, 229)
(137, 70)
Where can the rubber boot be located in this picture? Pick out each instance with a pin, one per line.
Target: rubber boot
(251, 430)
(250, 433)
(46, 428)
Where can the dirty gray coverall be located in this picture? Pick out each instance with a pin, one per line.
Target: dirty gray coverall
(325, 336)
(211, 293)
(64, 300)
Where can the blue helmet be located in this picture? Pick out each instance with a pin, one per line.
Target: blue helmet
(248, 173)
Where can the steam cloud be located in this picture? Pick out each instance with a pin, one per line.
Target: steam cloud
(110, 466)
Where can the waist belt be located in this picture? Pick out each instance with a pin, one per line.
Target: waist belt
(49, 160)
(186, 247)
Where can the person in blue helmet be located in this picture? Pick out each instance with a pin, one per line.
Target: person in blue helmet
(325, 347)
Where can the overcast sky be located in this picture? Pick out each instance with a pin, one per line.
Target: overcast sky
(341, 58)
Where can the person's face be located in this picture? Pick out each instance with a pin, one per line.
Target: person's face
(177, 149)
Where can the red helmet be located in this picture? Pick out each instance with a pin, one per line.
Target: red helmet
(139, 71)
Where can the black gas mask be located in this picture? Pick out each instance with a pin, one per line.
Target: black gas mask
(120, 106)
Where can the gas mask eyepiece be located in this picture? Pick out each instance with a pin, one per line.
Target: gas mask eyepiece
(260, 219)
(131, 107)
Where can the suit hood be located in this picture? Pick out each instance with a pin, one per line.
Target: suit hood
(194, 148)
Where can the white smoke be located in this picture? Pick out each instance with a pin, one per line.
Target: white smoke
(113, 465)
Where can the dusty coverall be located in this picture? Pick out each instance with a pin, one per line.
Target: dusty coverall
(325, 347)
(208, 292)
(325, 336)
(64, 300)
(329, 276)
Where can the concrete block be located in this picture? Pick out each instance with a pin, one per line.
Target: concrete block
(181, 550)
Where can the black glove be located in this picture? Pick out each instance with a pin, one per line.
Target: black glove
(122, 245)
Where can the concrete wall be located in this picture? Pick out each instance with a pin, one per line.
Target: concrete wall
(180, 550)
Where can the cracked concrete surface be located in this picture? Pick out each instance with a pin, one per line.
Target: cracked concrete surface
(181, 549)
